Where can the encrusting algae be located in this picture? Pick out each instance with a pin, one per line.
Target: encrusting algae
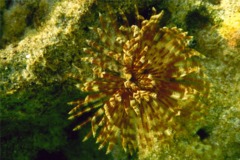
(145, 77)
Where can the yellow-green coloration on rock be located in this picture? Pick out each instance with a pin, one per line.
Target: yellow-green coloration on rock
(19, 17)
(44, 54)
(145, 79)
(33, 85)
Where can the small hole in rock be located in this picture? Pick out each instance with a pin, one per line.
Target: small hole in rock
(202, 133)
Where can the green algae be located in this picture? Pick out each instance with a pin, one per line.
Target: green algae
(17, 17)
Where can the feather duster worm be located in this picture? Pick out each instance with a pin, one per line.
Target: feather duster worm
(141, 81)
